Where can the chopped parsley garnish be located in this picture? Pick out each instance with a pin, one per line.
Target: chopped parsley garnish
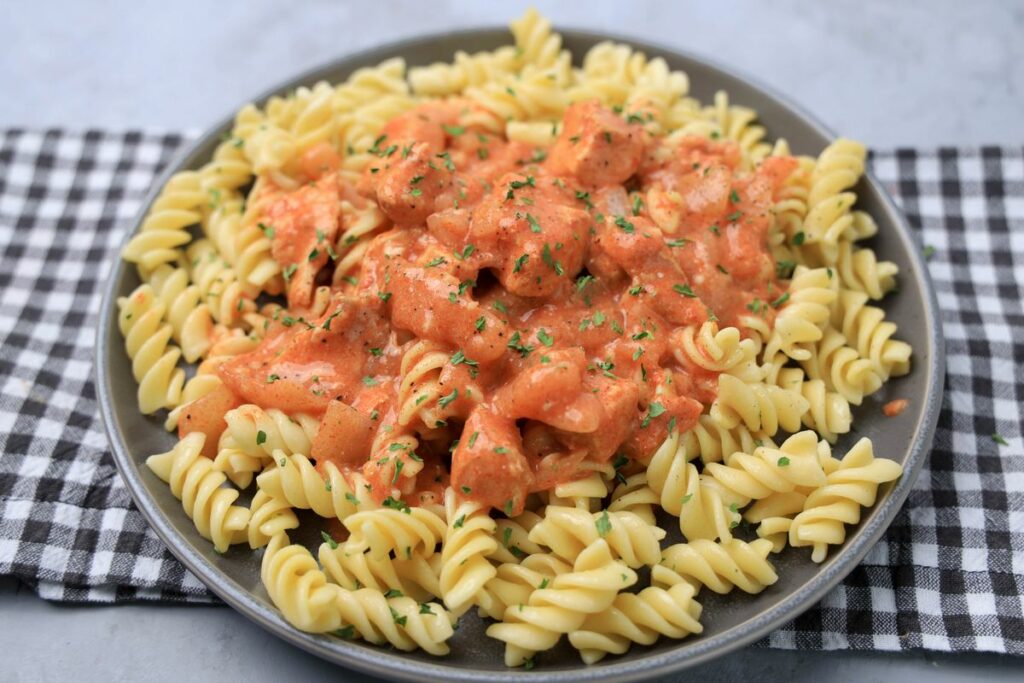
(638, 204)
(447, 160)
(467, 251)
(783, 461)
(261, 437)
(582, 281)
(328, 540)
(928, 251)
(781, 300)
(472, 439)
(550, 261)
(677, 243)
(653, 411)
(370, 381)
(624, 225)
(393, 503)
(515, 343)
(585, 198)
(272, 378)
(734, 216)
(517, 184)
(448, 398)
(999, 439)
(545, 338)
(684, 290)
(784, 269)
(440, 260)
(534, 225)
(267, 230)
(603, 524)
(520, 262)
(798, 238)
(480, 323)
(734, 197)
(454, 130)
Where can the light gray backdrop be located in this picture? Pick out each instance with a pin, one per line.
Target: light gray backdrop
(888, 73)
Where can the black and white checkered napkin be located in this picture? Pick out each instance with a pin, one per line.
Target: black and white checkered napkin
(948, 576)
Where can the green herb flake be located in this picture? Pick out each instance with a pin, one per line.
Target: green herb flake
(448, 398)
(328, 540)
(534, 225)
(653, 411)
(603, 524)
(520, 262)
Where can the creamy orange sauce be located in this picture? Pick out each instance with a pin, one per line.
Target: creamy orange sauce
(555, 283)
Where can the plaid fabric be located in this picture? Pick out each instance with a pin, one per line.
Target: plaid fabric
(948, 576)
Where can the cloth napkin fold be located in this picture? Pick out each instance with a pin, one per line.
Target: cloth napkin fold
(948, 575)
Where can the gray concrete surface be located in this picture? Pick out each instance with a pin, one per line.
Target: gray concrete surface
(904, 73)
(891, 74)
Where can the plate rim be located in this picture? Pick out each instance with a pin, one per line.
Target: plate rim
(381, 662)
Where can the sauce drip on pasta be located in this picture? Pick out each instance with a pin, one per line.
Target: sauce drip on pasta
(514, 327)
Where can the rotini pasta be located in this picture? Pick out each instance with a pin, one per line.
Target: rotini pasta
(498, 317)
(202, 492)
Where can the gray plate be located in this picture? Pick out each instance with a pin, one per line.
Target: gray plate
(729, 621)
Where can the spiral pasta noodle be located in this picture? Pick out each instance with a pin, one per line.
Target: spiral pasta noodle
(202, 493)
(640, 618)
(404, 532)
(353, 568)
(569, 531)
(298, 587)
(590, 588)
(165, 227)
(469, 540)
(190, 318)
(294, 479)
(263, 433)
(148, 343)
(723, 566)
(635, 495)
(268, 517)
(757, 406)
(828, 509)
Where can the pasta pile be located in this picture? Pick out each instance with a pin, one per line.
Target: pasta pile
(755, 473)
